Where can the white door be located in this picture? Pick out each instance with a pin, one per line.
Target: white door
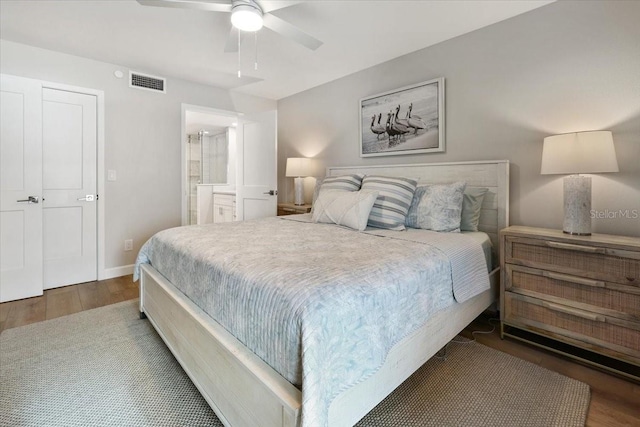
(257, 166)
(20, 179)
(69, 162)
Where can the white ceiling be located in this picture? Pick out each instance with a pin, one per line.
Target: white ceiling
(189, 44)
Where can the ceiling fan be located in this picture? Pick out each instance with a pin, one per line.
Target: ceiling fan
(246, 15)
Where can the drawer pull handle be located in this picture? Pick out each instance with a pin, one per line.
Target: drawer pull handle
(573, 279)
(573, 312)
(579, 248)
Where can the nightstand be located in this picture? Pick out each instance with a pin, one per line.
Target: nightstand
(575, 295)
(291, 209)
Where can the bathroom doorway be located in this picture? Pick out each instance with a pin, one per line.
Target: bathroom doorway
(209, 141)
(248, 190)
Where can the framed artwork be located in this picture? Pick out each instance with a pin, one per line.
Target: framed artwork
(409, 120)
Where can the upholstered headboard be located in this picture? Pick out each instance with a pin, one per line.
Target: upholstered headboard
(491, 174)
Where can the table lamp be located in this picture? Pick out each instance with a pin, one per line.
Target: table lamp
(576, 153)
(298, 167)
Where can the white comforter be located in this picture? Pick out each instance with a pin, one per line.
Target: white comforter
(321, 304)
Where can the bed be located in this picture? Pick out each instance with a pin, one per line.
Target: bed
(247, 388)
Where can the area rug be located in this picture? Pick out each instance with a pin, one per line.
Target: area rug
(106, 367)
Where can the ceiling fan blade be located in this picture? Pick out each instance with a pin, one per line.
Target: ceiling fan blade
(210, 6)
(232, 41)
(271, 5)
(282, 27)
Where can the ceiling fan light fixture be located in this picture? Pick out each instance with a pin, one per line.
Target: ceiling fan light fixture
(246, 17)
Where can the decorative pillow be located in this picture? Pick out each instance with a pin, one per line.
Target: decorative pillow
(351, 182)
(437, 207)
(471, 206)
(394, 198)
(348, 208)
(316, 192)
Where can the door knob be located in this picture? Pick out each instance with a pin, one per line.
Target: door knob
(87, 198)
(31, 199)
(271, 192)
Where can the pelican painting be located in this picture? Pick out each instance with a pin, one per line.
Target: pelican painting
(415, 120)
(377, 129)
(397, 125)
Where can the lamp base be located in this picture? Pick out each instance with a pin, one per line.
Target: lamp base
(577, 205)
(298, 189)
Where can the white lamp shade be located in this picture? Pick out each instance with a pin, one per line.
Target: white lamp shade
(246, 18)
(579, 152)
(298, 166)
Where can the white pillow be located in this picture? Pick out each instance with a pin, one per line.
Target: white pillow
(351, 182)
(348, 208)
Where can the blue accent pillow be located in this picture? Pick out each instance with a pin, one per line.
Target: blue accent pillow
(437, 207)
(471, 207)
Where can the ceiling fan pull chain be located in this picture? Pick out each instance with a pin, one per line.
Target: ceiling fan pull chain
(255, 65)
(239, 72)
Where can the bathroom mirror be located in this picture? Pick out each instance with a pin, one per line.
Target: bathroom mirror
(209, 157)
(215, 159)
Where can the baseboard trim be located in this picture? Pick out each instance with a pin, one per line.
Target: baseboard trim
(110, 273)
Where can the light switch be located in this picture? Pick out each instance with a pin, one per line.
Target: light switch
(111, 175)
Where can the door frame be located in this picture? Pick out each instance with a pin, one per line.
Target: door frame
(100, 129)
(184, 211)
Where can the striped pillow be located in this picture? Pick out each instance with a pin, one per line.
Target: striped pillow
(394, 198)
(351, 182)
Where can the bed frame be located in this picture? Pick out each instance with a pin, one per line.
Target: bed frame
(244, 391)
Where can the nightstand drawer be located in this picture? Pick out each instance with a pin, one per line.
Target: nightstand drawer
(596, 262)
(611, 299)
(593, 331)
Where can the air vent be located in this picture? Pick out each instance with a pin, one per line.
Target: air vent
(147, 82)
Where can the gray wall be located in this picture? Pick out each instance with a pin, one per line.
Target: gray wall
(142, 139)
(565, 67)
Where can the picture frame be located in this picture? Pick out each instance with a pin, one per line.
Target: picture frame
(408, 120)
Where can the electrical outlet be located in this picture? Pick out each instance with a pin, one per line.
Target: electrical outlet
(128, 245)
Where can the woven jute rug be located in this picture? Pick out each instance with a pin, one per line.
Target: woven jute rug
(106, 367)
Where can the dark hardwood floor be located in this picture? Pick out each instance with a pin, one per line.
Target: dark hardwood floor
(614, 401)
(66, 300)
